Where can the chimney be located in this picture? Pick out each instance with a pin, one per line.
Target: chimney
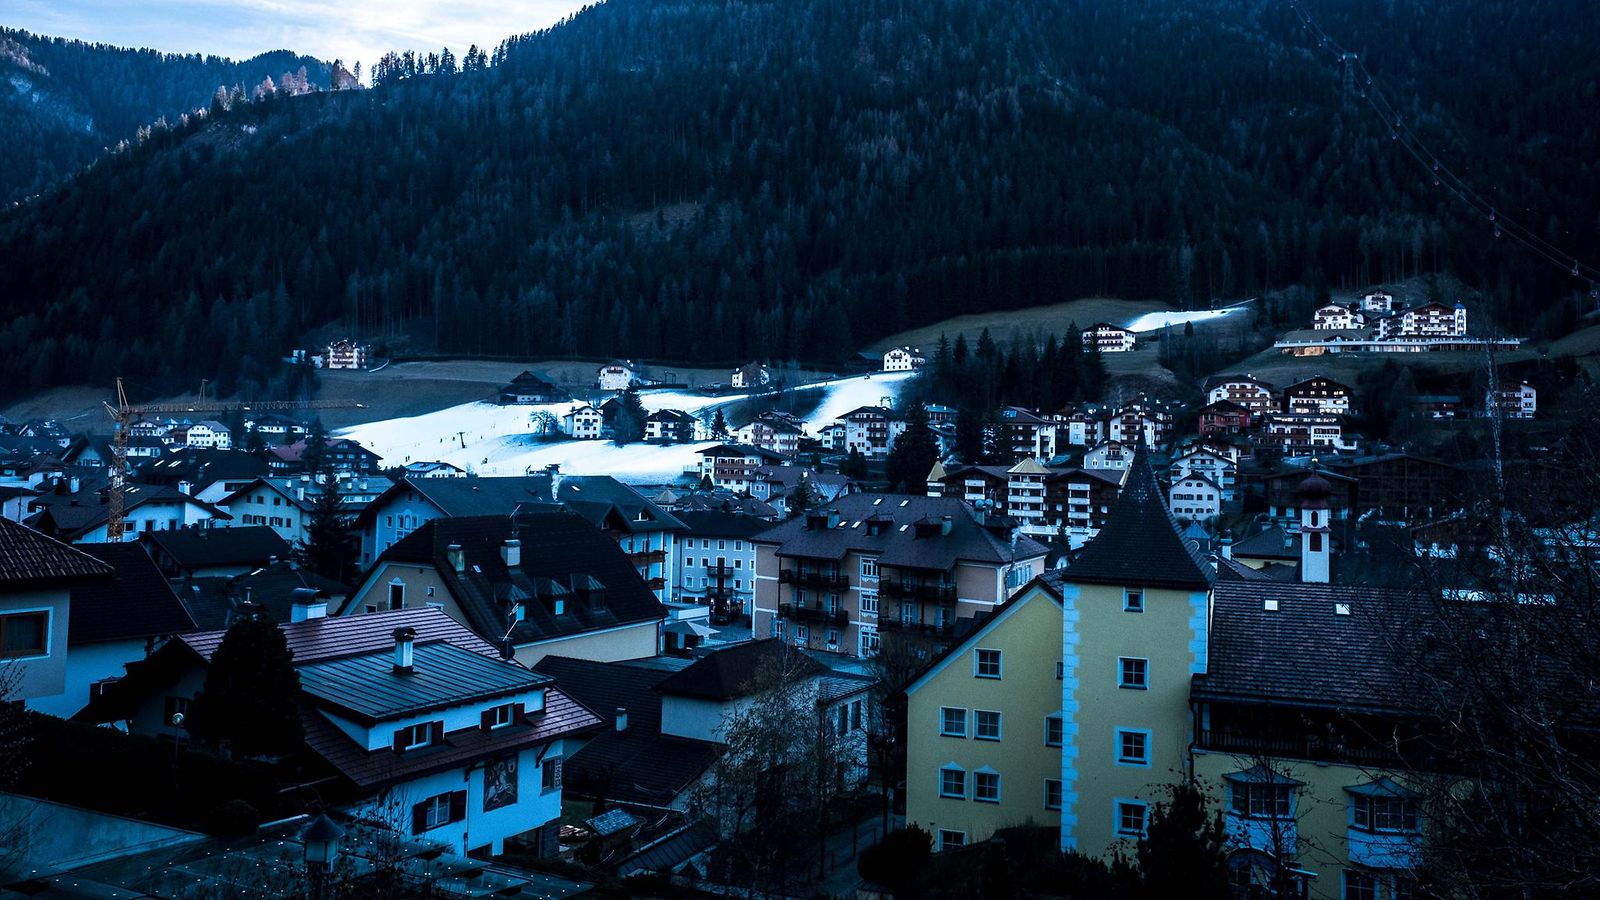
(1225, 547)
(73, 484)
(300, 494)
(833, 518)
(304, 605)
(404, 639)
(622, 718)
(458, 560)
(945, 524)
(184, 487)
(511, 553)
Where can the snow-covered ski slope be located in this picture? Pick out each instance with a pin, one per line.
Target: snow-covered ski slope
(1158, 320)
(488, 439)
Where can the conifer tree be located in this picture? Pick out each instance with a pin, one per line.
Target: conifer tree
(251, 697)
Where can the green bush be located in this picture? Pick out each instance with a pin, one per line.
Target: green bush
(899, 859)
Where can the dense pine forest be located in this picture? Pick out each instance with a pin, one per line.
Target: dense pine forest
(64, 102)
(713, 181)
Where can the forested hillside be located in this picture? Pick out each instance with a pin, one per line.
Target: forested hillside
(63, 102)
(720, 180)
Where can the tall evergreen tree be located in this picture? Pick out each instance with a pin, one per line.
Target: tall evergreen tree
(628, 427)
(314, 458)
(329, 548)
(251, 697)
(913, 454)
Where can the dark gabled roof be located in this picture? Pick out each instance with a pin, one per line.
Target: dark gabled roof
(366, 687)
(335, 636)
(731, 673)
(137, 602)
(1269, 543)
(640, 764)
(1139, 544)
(1313, 379)
(1224, 406)
(202, 548)
(559, 550)
(608, 503)
(368, 770)
(1219, 380)
(1304, 651)
(74, 515)
(203, 466)
(216, 601)
(898, 544)
(28, 558)
(470, 496)
(718, 524)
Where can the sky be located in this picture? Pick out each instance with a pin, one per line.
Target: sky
(350, 30)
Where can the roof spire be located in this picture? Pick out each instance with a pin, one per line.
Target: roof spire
(1140, 544)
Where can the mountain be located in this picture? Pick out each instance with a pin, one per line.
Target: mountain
(63, 102)
(714, 180)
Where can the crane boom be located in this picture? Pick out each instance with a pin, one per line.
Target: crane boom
(124, 414)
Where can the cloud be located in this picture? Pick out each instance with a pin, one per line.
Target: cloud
(353, 30)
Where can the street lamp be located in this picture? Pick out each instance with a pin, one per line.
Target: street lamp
(321, 840)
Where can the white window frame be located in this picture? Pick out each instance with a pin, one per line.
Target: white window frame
(502, 716)
(977, 728)
(436, 813)
(1116, 747)
(978, 663)
(944, 721)
(868, 600)
(869, 567)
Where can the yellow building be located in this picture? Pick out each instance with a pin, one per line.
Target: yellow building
(984, 727)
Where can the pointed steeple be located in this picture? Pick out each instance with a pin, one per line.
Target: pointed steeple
(1140, 543)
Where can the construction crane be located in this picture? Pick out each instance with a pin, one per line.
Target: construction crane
(124, 414)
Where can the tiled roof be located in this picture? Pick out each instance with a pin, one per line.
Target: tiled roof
(640, 764)
(30, 558)
(335, 636)
(137, 602)
(1270, 543)
(898, 544)
(731, 673)
(559, 551)
(469, 496)
(215, 601)
(1139, 544)
(1305, 651)
(75, 515)
(718, 524)
(610, 504)
(367, 686)
(203, 548)
(562, 717)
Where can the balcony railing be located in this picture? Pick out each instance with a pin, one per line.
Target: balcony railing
(722, 570)
(647, 557)
(810, 613)
(928, 628)
(1307, 747)
(917, 590)
(808, 578)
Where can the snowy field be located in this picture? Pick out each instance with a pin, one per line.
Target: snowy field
(488, 439)
(1159, 320)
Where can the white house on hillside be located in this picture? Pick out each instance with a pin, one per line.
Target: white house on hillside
(1108, 338)
(903, 359)
(582, 423)
(616, 375)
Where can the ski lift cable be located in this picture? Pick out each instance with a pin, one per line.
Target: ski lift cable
(1441, 173)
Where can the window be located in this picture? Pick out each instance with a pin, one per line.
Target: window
(869, 567)
(1053, 731)
(1133, 600)
(1061, 670)
(1133, 673)
(1359, 886)
(777, 628)
(869, 603)
(802, 633)
(499, 716)
(951, 840)
(1384, 813)
(953, 721)
(1133, 747)
(415, 736)
(397, 595)
(1052, 793)
(855, 714)
(953, 782)
(25, 634)
(986, 725)
(986, 786)
(550, 774)
(1260, 800)
(436, 811)
(1130, 818)
(986, 663)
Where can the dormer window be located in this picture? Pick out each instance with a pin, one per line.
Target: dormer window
(414, 736)
(499, 716)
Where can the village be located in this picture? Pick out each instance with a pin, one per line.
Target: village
(568, 633)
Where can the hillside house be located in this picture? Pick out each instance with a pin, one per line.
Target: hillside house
(871, 430)
(208, 435)
(672, 426)
(1198, 459)
(1302, 432)
(732, 467)
(750, 376)
(903, 359)
(412, 502)
(1520, 402)
(1027, 435)
(1107, 338)
(1430, 320)
(1250, 393)
(1195, 498)
(339, 455)
(583, 423)
(346, 354)
(616, 375)
(1317, 395)
(528, 389)
(433, 469)
(285, 503)
(1379, 303)
(1080, 428)
(775, 433)
(1224, 417)
(1338, 316)
(37, 577)
(1108, 455)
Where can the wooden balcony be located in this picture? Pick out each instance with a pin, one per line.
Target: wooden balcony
(810, 613)
(831, 581)
(924, 591)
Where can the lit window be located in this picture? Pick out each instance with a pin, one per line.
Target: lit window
(1133, 673)
(953, 783)
(986, 787)
(986, 725)
(953, 721)
(986, 663)
(1133, 747)
(1130, 818)
(1053, 731)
